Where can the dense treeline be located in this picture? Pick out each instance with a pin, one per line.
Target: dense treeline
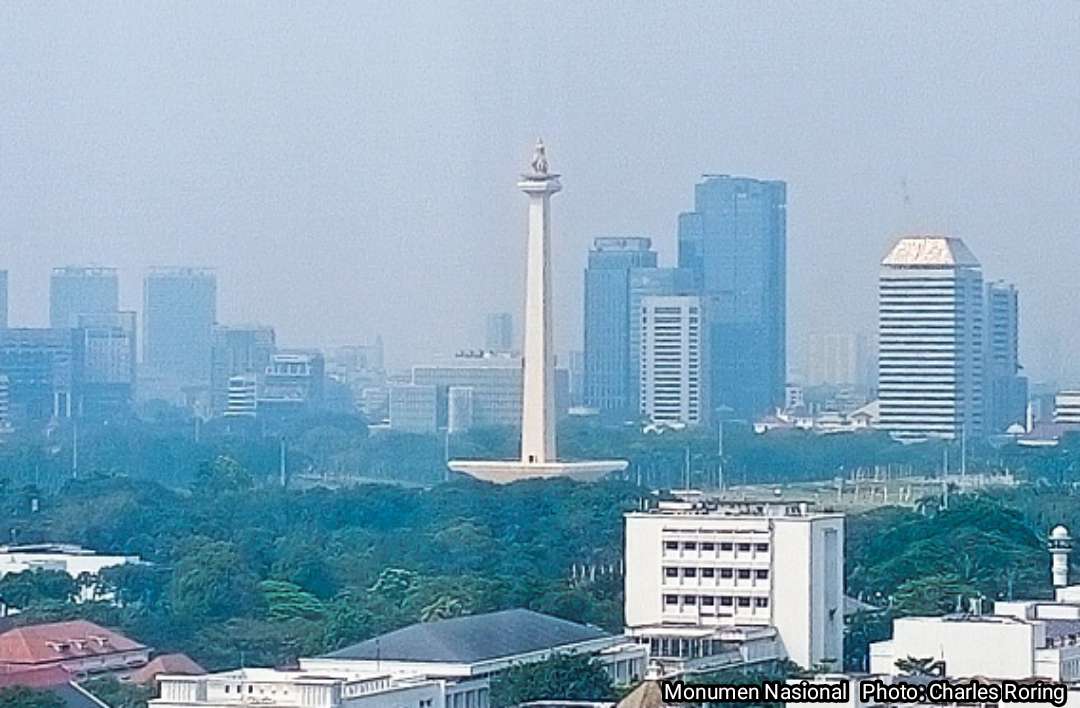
(165, 445)
(241, 570)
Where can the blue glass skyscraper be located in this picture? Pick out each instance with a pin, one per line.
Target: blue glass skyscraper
(734, 242)
(609, 380)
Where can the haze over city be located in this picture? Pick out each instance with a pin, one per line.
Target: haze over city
(350, 170)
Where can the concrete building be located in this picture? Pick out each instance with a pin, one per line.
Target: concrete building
(539, 452)
(242, 396)
(650, 282)
(238, 350)
(459, 409)
(413, 408)
(107, 385)
(81, 290)
(610, 377)
(713, 584)
(1005, 391)
(179, 311)
(293, 384)
(43, 367)
(442, 664)
(1067, 407)
(5, 405)
(930, 365)
(674, 372)
(735, 244)
(499, 332)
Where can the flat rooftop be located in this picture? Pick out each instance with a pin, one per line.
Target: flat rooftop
(732, 508)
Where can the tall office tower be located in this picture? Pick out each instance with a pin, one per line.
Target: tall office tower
(179, 310)
(108, 371)
(1005, 391)
(673, 376)
(930, 333)
(610, 380)
(3, 299)
(81, 290)
(242, 350)
(734, 243)
(499, 336)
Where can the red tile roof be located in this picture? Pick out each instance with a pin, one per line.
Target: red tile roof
(36, 677)
(48, 643)
(176, 664)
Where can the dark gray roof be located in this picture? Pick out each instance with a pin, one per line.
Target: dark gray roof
(1058, 628)
(466, 640)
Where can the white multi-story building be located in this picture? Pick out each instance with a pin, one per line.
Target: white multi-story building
(672, 386)
(1067, 407)
(242, 396)
(5, 404)
(930, 363)
(713, 584)
(442, 664)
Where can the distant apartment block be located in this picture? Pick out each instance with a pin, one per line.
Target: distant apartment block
(240, 350)
(108, 374)
(673, 378)
(1067, 407)
(499, 332)
(413, 408)
(838, 359)
(81, 290)
(179, 311)
(42, 366)
(294, 383)
(242, 396)
(1006, 391)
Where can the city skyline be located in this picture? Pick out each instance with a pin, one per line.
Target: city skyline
(130, 155)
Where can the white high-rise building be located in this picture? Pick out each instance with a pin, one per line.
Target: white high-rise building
(241, 398)
(930, 362)
(711, 584)
(1067, 407)
(672, 383)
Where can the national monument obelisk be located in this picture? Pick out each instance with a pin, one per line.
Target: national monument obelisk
(539, 454)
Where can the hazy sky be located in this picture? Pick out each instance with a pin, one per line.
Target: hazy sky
(349, 168)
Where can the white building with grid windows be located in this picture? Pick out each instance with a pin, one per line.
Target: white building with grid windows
(671, 377)
(930, 332)
(714, 584)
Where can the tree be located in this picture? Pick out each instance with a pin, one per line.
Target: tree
(37, 586)
(222, 475)
(285, 601)
(212, 583)
(119, 695)
(560, 676)
(932, 595)
(22, 697)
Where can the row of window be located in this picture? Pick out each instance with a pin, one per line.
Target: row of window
(741, 573)
(722, 601)
(711, 546)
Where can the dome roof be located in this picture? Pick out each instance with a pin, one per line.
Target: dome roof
(1059, 532)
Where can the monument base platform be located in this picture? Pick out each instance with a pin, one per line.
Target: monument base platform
(507, 471)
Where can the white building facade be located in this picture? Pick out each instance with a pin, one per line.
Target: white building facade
(767, 577)
(930, 362)
(1067, 407)
(672, 385)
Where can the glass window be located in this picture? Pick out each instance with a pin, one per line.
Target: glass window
(708, 546)
(725, 546)
(708, 601)
(671, 572)
(726, 572)
(744, 573)
(761, 602)
(744, 602)
(725, 601)
(761, 547)
(671, 599)
(690, 572)
(744, 546)
(707, 572)
(761, 574)
(671, 545)
(689, 545)
(689, 600)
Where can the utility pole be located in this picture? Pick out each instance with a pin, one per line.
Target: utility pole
(75, 448)
(963, 451)
(281, 463)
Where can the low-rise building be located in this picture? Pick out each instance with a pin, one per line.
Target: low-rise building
(715, 584)
(71, 559)
(79, 648)
(443, 664)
